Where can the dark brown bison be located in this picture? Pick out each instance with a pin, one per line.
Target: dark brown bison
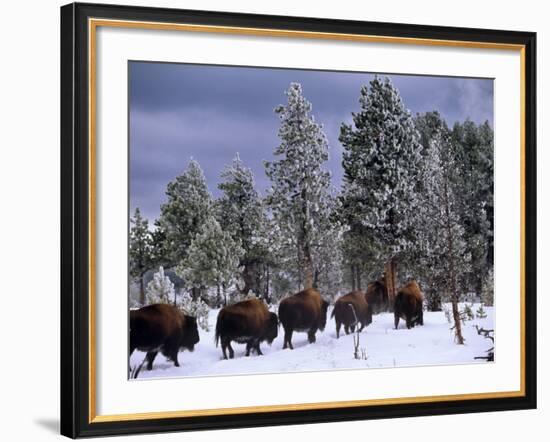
(247, 322)
(164, 328)
(377, 296)
(408, 305)
(304, 311)
(351, 310)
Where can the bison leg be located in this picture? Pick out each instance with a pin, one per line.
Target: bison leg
(174, 358)
(352, 328)
(226, 345)
(257, 347)
(150, 358)
(421, 318)
(231, 352)
(225, 342)
(288, 339)
(311, 336)
(248, 347)
(338, 325)
(171, 349)
(346, 329)
(362, 327)
(409, 322)
(396, 320)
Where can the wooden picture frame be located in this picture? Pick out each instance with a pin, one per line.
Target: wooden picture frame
(79, 23)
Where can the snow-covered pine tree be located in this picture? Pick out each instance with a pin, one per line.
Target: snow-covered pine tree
(212, 260)
(328, 259)
(140, 250)
(429, 125)
(188, 205)
(277, 281)
(382, 161)
(300, 190)
(196, 308)
(159, 246)
(474, 159)
(268, 241)
(241, 213)
(160, 289)
(362, 261)
(441, 233)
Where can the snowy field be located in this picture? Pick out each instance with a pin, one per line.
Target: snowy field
(431, 344)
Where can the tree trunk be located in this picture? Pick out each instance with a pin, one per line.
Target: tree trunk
(452, 272)
(454, 295)
(304, 242)
(308, 268)
(247, 278)
(266, 293)
(390, 281)
(358, 276)
(458, 323)
(352, 273)
(316, 279)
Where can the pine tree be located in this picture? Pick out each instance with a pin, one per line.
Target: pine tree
(381, 161)
(212, 260)
(275, 281)
(328, 259)
(474, 158)
(196, 308)
(361, 258)
(159, 246)
(241, 214)
(160, 289)
(140, 250)
(441, 233)
(300, 191)
(188, 205)
(429, 125)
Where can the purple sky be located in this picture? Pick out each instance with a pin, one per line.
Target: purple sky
(209, 113)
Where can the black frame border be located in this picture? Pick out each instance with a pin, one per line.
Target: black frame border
(75, 220)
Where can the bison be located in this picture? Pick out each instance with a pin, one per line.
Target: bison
(247, 322)
(408, 305)
(377, 296)
(164, 328)
(350, 310)
(303, 311)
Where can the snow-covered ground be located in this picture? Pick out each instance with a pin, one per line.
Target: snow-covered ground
(431, 344)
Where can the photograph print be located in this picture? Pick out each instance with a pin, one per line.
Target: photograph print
(286, 220)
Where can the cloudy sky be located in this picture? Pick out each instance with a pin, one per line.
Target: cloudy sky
(210, 113)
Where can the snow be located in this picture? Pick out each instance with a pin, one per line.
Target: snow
(431, 344)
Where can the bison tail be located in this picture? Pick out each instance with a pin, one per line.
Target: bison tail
(282, 312)
(218, 328)
(333, 311)
(352, 307)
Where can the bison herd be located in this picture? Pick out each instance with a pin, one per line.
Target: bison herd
(164, 328)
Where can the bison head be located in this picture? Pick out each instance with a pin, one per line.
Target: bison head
(190, 333)
(272, 328)
(323, 315)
